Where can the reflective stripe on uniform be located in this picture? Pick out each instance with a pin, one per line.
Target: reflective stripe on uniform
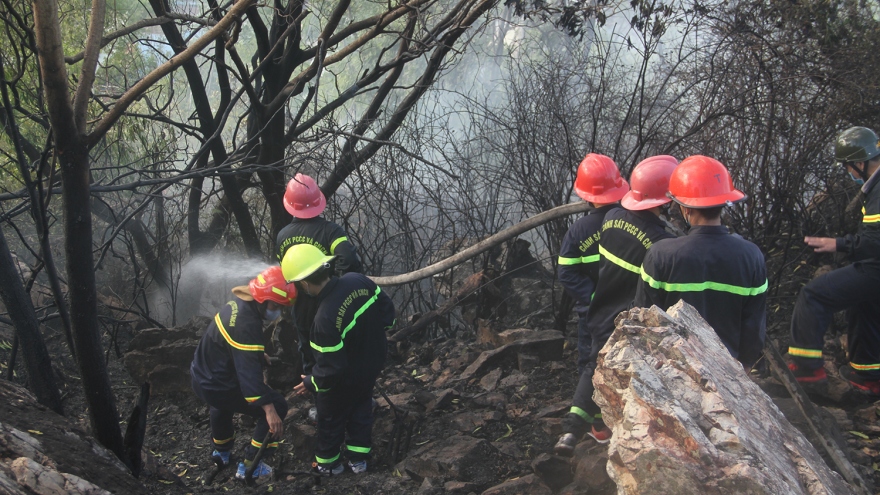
(221, 442)
(617, 261)
(253, 399)
(336, 243)
(870, 218)
(348, 327)
(865, 367)
(260, 444)
(580, 412)
(807, 353)
(241, 347)
(316, 386)
(361, 450)
(701, 286)
(321, 460)
(578, 261)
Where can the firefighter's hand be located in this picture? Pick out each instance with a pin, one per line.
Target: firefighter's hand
(276, 427)
(822, 244)
(301, 388)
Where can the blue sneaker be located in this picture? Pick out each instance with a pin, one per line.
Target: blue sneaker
(262, 470)
(221, 459)
(329, 470)
(358, 467)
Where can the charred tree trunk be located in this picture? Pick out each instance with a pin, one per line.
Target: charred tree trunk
(103, 415)
(36, 358)
(71, 148)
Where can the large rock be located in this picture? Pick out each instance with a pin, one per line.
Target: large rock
(162, 356)
(545, 345)
(44, 453)
(687, 419)
(458, 457)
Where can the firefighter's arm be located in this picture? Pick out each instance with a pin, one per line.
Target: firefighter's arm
(347, 259)
(247, 354)
(754, 324)
(330, 358)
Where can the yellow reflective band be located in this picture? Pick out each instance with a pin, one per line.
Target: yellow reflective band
(321, 460)
(579, 261)
(260, 444)
(279, 292)
(362, 450)
(865, 367)
(701, 286)
(253, 399)
(617, 261)
(348, 327)
(221, 442)
(261, 279)
(580, 412)
(807, 353)
(241, 347)
(336, 243)
(869, 218)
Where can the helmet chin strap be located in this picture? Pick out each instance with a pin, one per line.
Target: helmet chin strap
(863, 172)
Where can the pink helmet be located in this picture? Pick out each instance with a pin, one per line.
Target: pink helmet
(650, 182)
(303, 198)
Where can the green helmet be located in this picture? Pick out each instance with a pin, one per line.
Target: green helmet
(302, 260)
(856, 144)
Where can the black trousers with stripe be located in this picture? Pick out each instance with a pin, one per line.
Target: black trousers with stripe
(854, 288)
(224, 404)
(345, 414)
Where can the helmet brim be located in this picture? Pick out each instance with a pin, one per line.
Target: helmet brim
(727, 199)
(631, 203)
(307, 270)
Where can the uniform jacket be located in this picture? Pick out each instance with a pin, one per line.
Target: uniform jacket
(230, 354)
(626, 236)
(865, 244)
(325, 235)
(579, 256)
(348, 337)
(723, 276)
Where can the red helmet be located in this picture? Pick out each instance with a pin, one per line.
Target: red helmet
(650, 182)
(702, 182)
(270, 285)
(599, 181)
(303, 198)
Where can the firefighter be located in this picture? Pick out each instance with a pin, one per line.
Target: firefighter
(853, 287)
(720, 274)
(598, 182)
(227, 368)
(305, 201)
(349, 346)
(626, 234)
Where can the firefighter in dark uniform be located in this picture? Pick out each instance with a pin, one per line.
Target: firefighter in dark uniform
(348, 341)
(305, 201)
(227, 368)
(720, 274)
(626, 234)
(853, 287)
(598, 182)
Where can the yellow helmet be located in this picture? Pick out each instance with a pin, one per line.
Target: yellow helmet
(302, 260)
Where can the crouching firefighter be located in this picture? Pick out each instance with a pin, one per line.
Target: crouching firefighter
(227, 369)
(348, 343)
